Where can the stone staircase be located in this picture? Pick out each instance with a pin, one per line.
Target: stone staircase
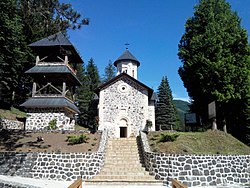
(122, 164)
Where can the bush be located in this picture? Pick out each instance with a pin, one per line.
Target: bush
(77, 139)
(168, 137)
(52, 125)
(149, 124)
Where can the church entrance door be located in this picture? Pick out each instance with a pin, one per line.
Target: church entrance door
(123, 132)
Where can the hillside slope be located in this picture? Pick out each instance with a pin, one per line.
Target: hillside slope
(182, 108)
(209, 142)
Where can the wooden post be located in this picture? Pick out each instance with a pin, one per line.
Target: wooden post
(177, 184)
(37, 60)
(34, 89)
(66, 60)
(76, 184)
(64, 89)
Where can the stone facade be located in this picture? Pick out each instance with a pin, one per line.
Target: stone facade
(124, 103)
(39, 119)
(197, 170)
(56, 166)
(11, 124)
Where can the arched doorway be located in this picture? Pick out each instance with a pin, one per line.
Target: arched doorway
(123, 128)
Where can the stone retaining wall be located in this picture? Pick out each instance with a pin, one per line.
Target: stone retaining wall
(56, 166)
(197, 170)
(11, 124)
(8, 184)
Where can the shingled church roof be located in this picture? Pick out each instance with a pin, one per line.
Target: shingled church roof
(127, 56)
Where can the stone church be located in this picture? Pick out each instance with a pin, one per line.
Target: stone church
(125, 103)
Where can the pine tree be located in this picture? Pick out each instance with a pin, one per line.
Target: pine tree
(42, 18)
(81, 96)
(13, 51)
(87, 103)
(213, 50)
(165, 113)
(109, 72)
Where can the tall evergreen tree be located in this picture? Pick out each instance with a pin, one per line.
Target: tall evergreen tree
(165, 112)
(109, 72)
(213, 50)
(42, 18)
(87, 102)
(82, 96)
(13, 51)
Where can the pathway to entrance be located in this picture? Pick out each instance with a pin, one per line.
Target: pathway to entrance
(122, 164)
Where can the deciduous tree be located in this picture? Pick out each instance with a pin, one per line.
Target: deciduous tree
(214, 50)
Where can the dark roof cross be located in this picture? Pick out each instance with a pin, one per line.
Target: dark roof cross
(126, 44)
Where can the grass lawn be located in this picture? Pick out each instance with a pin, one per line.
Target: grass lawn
(209, 142)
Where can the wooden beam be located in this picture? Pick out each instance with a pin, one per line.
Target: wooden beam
(37, 60)
(64, 89)
(177, 184)
(76, 184)
(34, 89)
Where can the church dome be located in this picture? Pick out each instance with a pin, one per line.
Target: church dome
(127, 56)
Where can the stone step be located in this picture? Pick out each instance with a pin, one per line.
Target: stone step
(126, 166)
(130, 158)
(129, 143)
(128, 151)
(122, 183)
(114, 154)
(123, 169)
(124, 173)
(124, 177)
(122, 162)
(122, 146)
(122, 139)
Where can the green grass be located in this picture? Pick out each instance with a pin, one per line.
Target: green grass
(209, 142)
(12, 114)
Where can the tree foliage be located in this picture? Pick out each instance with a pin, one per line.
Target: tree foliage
(13, 50)
(214, 50)
(109, 72)
(87, 103)
(42, 18)
(165, 113)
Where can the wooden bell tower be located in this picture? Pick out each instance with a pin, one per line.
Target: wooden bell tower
(54, 76)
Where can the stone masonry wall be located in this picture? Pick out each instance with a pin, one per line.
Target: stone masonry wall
(11, 124)
(56, 166)
(197, 170)
(40, 120)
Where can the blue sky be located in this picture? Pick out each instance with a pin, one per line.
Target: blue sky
(153, 28)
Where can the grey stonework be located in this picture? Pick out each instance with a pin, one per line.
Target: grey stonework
(39, 119)
(197, 170)
(7, 184)
(56, 166)
(11, 124)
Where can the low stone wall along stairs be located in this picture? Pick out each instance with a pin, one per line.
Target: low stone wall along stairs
(122, 164)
